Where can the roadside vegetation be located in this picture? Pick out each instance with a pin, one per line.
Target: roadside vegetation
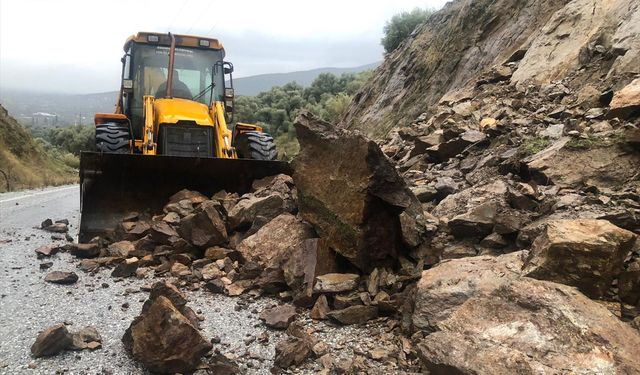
(26, 162)
(328, 96)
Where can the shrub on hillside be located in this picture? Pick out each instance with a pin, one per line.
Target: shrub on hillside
(401, 25)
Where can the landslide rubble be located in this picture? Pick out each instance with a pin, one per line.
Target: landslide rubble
(490, 229)
(261, 243)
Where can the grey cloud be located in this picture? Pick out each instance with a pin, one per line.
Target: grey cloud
(251, 54)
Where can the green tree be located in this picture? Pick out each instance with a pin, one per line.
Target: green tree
(335, 106)
(72, 139)
(328, 96)
(401, 25)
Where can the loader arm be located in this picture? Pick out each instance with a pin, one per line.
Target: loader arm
(224, 148)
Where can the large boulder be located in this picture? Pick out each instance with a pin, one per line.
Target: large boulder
(205, 227)
(290, 247)
(249, 207)
(276, 241)
(164, 340)
(350, 192)
(478, 211)
(529, 326)
(585, 253)
(602, 167)
(443, 288)
(626, 102)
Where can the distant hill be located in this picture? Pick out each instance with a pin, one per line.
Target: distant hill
(254, 85)
(76, 109)
(68, 108)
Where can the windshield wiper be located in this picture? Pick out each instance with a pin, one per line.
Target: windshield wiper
(203, 92)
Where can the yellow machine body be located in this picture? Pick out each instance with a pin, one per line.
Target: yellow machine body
(158, 141)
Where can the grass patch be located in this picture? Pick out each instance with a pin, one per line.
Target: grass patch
(590, 142)
(534, 145)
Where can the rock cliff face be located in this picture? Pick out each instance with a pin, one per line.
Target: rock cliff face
(466, 38)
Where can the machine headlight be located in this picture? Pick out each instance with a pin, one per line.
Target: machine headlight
(153, 38)
(204, 43)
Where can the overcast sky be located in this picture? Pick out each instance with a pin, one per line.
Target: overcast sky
(74, 46)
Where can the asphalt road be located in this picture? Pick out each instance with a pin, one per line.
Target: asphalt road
(29, 305)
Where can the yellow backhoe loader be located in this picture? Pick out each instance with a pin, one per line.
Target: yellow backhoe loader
(169, 131)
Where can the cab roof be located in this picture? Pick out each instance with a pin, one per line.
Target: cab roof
(181, 40)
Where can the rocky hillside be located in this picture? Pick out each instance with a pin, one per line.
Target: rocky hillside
(23, 162)
(455, 46)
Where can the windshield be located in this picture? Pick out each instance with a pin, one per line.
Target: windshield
(191, 78)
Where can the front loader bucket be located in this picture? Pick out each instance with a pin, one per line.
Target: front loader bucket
(113, 185)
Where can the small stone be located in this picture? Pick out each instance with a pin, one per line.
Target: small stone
(279, 317)
(85, 250)
(51, 341)
(336, 282)
(291, 351)
(61, 277)
(46, 251)
(320, 308)
(180, 270)
(488, 123)
(57, 228)
(86, 338)
(126, 268)
(354, 314)
(46, 223)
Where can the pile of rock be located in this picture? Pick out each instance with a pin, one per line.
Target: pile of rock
(349, 239)
(551, 169)
(255, 242)
(496, 162)
(345, 240)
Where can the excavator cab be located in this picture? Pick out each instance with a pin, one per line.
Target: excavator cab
(169, 132)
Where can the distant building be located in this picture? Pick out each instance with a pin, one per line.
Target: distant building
(43, 118)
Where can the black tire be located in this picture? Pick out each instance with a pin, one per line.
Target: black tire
(256, 145)
(112, 138)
